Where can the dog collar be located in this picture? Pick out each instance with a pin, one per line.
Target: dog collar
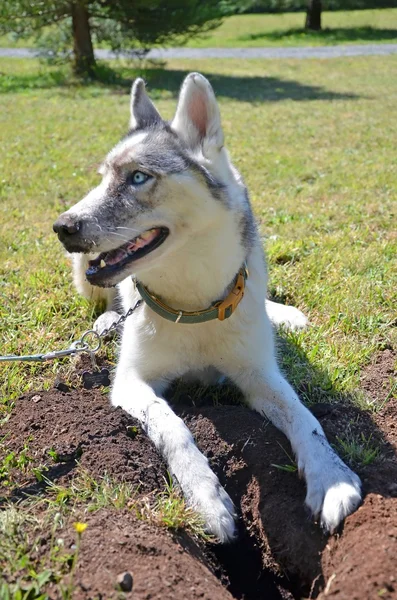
(219, 310)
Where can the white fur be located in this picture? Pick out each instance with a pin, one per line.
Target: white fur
(287, 316)
(195, 266)
(92, 293)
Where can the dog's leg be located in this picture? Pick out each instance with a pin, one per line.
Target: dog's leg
(289, 316)
(174, 441)
(333, 490)
(100, 296)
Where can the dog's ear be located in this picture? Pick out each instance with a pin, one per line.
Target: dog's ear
(197, 119)
(143, 112)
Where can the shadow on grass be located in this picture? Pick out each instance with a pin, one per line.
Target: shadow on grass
(326, 36)
(161, 81)
(246, 89)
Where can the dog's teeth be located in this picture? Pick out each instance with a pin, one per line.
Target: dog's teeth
(146, 235)
(102, 264)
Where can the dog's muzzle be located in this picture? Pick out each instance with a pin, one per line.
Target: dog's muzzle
(69, 230)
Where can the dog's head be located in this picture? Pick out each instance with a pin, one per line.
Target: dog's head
(162, 184)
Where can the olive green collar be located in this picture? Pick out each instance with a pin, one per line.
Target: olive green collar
(219, 310)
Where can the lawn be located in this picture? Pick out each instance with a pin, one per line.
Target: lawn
(287, 29)
(315, 141)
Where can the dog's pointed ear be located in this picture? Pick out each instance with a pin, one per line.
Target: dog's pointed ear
(143, 112)
(197, 119)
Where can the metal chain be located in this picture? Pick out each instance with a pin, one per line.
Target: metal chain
(81, 345)
(121, 320)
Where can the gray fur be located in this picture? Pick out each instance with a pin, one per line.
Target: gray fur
(143, 111)
(248, 228)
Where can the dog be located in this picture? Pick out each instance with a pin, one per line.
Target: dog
(171, 224)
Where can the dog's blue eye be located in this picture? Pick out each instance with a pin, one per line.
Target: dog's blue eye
(137, 177)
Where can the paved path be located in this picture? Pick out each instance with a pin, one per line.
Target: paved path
(303, 52)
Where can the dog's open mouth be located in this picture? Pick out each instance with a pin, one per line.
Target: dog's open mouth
(108, 264)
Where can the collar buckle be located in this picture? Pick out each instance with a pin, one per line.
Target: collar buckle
(234, 298)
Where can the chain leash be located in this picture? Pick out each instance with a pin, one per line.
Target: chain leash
(81, 345)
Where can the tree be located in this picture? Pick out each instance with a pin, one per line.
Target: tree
(313, 15)
(68, 27)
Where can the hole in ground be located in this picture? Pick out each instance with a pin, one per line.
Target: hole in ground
(242, 572)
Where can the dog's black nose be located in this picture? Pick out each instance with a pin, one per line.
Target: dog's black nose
(66, 226)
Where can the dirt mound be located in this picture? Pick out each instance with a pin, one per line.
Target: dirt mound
(81, 425)
(162, 566)
(280, 553)
(361, 564)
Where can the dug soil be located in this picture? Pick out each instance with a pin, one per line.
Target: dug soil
(280, 553)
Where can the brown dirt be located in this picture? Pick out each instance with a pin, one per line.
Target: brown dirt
(378, 376)
(362, 563)
(81, 425)
(162, 566)
(280, 553)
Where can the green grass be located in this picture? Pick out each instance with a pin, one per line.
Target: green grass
(287, 29)
(290, 466)
(166, 509)
(358, 450)
(26, 569)
(13, 462)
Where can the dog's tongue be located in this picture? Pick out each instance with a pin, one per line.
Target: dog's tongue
(119, 254)
(115, 256)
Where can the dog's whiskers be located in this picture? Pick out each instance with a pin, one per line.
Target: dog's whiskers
(123, 237)
(111, 233)
(129, 229)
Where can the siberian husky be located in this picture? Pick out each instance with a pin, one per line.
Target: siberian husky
(171, 222)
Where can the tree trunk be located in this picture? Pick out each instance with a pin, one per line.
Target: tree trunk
(313, 15)
(84, 59)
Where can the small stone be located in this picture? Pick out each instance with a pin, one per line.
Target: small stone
(36, 398)
(125, 581)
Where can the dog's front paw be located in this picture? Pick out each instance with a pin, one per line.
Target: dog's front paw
(340, 501)
(204, 493)
(333, 493)
(217, 509)
(105, 321)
